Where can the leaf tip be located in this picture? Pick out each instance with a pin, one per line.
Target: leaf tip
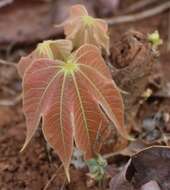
(22, 149)
(127, 136)
(67, 174)
(24, 146)
(130, 138)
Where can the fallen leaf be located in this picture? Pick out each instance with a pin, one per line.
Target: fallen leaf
(151, 164)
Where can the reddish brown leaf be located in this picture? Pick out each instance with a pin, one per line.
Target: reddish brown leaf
(36, 92)
(57, 126)
(45, 96)
(67, 91)
(24, 63)
(91, 128)
(101, 86)
(62, 49)
(78, 10)
(81, 28)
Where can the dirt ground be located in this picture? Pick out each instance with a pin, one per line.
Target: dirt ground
(33, 168)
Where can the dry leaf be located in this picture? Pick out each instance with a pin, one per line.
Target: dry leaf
(151, 164)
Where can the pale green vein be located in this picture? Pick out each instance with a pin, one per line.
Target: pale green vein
(61, 113)
(111, 116)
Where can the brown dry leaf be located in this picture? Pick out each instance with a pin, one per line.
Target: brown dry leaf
(134, 62)
(132, 148)
(150, 164)
(120, 182)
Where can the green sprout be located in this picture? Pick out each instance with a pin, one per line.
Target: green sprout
(88, 20)
(155, 40)
(97, 167)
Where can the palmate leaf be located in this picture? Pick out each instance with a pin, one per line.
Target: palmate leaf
(81, 28)
(76, 99)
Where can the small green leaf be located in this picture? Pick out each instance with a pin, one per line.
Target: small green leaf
(97, 167)
(88, 20)
(154, 39)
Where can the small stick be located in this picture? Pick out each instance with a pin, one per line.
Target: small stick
(50, 181)
(139, 5)
(110, 155)
(62, 187)
(3, 62)
(168, 42)
(12, 102)
(139, 16)
(52, 178)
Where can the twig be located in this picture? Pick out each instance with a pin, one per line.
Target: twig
(139, 16)
(139, 5)
(52, 178)
(110, 155)
(12, 102)
(50, 181)
(168, 42)
(62, 187)
(3, 62)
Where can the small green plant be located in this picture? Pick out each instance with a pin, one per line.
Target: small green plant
(97, 167)
(68, 86)
(155, 40)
